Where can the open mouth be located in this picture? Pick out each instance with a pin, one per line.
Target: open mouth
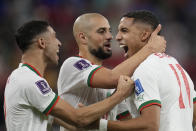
(107, 46)
(124, 47)
(57, 53)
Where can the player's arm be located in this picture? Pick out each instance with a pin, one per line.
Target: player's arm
(147, 100)
(123, 112)
(65, 125)
(106, 78)
(86, 115)
(148, 121)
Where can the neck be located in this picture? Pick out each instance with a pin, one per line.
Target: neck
(36, 60)
(93, 59)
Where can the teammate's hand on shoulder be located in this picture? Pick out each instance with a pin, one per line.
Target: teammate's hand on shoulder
(156, 42)
(125, 86)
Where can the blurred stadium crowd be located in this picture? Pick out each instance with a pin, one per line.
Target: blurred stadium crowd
(178, 19)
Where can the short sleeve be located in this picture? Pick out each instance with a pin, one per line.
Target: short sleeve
(86, 69)
(146, 86)
(80, 72)
(122, 111)
(40, 95)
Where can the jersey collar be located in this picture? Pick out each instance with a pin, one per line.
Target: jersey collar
(32, 68)
(84, 58)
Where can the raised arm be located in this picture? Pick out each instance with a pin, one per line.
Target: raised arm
(84, 116)
(106, 78)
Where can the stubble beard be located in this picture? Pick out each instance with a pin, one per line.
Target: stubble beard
(99, 53)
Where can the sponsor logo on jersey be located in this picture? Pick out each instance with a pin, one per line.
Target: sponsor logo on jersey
(81, 65)
(43, 86)
(138, 87)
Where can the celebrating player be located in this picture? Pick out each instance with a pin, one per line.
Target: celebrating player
(83, 78)
(164, 92)
(29, 98)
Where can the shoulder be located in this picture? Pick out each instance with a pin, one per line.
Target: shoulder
(27, 78)
(150, 61)
(149, 66)
(157, 60)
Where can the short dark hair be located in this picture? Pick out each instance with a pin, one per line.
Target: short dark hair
(144, 16)
(28, 31)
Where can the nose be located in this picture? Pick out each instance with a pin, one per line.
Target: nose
(118, 36)
(59, 43)
(109, 36)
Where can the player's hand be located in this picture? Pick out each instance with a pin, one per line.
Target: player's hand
(80, 105)
(156, 42)
(125, 86)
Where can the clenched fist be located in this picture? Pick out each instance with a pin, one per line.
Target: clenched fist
(125, 86)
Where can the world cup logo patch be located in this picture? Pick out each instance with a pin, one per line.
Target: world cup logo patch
(43, 86)
(138, 87)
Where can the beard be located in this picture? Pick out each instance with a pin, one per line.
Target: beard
(99, 53)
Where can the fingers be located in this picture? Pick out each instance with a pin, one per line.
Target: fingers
(157, 30)
(164, 44)
(80, 105)
(156, 42)
(124, 78)
(125, 86)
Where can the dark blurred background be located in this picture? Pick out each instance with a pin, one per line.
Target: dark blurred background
(178, 19)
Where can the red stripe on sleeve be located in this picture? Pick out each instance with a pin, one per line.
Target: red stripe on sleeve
(150, 105)
(91, 79)
(53, 106)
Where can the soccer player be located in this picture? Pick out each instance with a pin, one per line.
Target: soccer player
(28, 97)
(83, 79)
(164, 92)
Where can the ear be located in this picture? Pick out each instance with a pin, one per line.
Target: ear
(145, 35)
(82, 38)
(41, 43)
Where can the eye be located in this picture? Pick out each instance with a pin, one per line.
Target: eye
(123, 30)
(101, 31)
(110, 30)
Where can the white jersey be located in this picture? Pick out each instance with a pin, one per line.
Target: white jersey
(74, 86)
(161, 81)
(28, 100)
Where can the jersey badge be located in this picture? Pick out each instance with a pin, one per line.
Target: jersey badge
(138, 87)
(140, 97)
(81, 65)
(43, 86)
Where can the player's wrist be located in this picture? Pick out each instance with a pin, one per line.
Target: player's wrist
(118, 94)
(103, 124)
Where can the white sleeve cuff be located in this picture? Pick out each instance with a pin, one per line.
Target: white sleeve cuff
(103, 125)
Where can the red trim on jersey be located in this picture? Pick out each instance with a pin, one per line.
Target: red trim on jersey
(123, 116)
(53, 106)
(91, 79)
(150, 105)
(34, 69)
(79, 56)
(194, 102)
